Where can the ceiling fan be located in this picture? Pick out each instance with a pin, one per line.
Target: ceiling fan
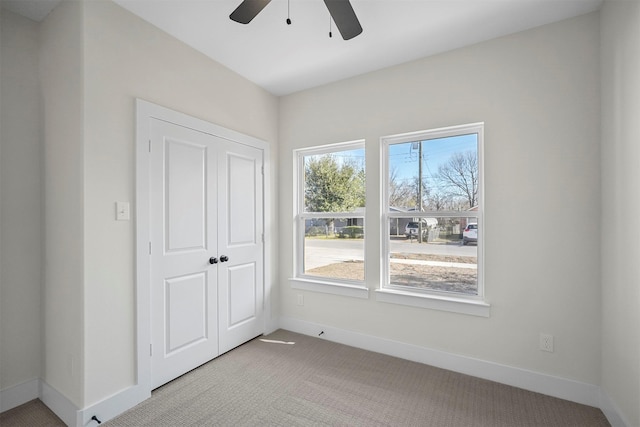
(341, 12)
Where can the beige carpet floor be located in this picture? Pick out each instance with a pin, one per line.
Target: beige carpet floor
(31, 414)
(315, 382)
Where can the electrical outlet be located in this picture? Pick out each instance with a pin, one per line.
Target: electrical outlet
(546, 342)
(300, 299)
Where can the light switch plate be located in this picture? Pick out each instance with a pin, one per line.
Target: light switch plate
(122, 211)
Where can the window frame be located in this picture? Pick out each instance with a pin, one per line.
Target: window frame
(300, 280)
(447, 301)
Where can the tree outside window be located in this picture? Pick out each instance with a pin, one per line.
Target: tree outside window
(330, 217)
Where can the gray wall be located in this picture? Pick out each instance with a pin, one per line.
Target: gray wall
(91, 60)
(125, 58)
(21, 235)
(61, 72)
(538, 94)
(620, 203)
(537, 91)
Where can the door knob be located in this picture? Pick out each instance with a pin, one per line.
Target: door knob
(213, 260)
(224, 258)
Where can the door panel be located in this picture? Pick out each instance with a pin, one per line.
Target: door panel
(183, 211)
(241, 282)
(185, 311)
(185, 175)
(242, 179)
(242, 294)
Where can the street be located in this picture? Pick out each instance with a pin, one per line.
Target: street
(319, 252)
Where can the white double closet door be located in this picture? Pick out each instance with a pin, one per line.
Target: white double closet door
(206, 209)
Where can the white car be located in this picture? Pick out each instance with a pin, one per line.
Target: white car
(411, 230)
(470, 234)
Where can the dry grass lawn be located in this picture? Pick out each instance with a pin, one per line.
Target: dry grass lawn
(446, 279)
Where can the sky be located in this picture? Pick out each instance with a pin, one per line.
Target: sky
(403, 157)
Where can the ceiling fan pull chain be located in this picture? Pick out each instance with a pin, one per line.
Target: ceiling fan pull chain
(330, 34)
(288, 12)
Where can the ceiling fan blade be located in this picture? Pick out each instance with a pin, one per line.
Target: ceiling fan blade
(345, 18)
(247, 10)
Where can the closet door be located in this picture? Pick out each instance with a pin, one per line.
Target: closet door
(184, 224)
(240, 243)
(206, 213)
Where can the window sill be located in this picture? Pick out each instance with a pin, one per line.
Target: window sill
(326, 287)
(437, 302)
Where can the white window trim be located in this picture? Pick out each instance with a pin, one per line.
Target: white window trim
(344, 287)
(458, 303)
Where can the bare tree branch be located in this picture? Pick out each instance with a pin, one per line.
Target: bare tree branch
(459, 175)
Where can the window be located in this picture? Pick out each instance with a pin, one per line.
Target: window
(330, 211)
(432, 214)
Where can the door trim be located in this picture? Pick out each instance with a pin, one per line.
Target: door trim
(144, 112)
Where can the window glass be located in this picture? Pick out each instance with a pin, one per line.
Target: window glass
(331, 209)
(445, 261)
(336, 252)
(434, 218)
(334, 182)
(445, 179)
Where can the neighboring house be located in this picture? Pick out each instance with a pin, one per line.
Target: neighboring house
(321, 226)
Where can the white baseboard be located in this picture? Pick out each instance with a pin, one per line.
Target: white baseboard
(66, 410)
(587, 394)
(17, 395)
(113, 405)
(611, 411)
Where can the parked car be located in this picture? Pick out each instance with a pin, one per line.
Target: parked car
(470, 234)
(411, 229)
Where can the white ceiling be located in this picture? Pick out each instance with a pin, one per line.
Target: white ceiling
(288, 58)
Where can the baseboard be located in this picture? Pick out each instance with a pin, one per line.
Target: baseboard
(575, 391)
(120, 402)
(66, 410)
(611, 411)
(20, 394)
(113, 406)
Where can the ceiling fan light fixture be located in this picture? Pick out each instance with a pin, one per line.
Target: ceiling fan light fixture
(288, 12)
(345, 18)
(247, 10)
(341, 13)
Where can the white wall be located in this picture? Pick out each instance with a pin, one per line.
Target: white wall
(538, 94)
(91, 59)
(21, 208)
(61, 72)
(620, 204)
(125, 58)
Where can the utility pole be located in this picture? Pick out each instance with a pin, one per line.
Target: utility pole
(420, 191)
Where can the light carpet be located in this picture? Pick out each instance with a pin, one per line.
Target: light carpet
(315, 382)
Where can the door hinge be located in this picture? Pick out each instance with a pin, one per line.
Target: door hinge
(262, 237)
(150, 349)
(149, 248)
(262, 168)
(149, 145)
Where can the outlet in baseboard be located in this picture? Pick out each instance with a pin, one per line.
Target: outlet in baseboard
(546, 342)
(300, 300)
